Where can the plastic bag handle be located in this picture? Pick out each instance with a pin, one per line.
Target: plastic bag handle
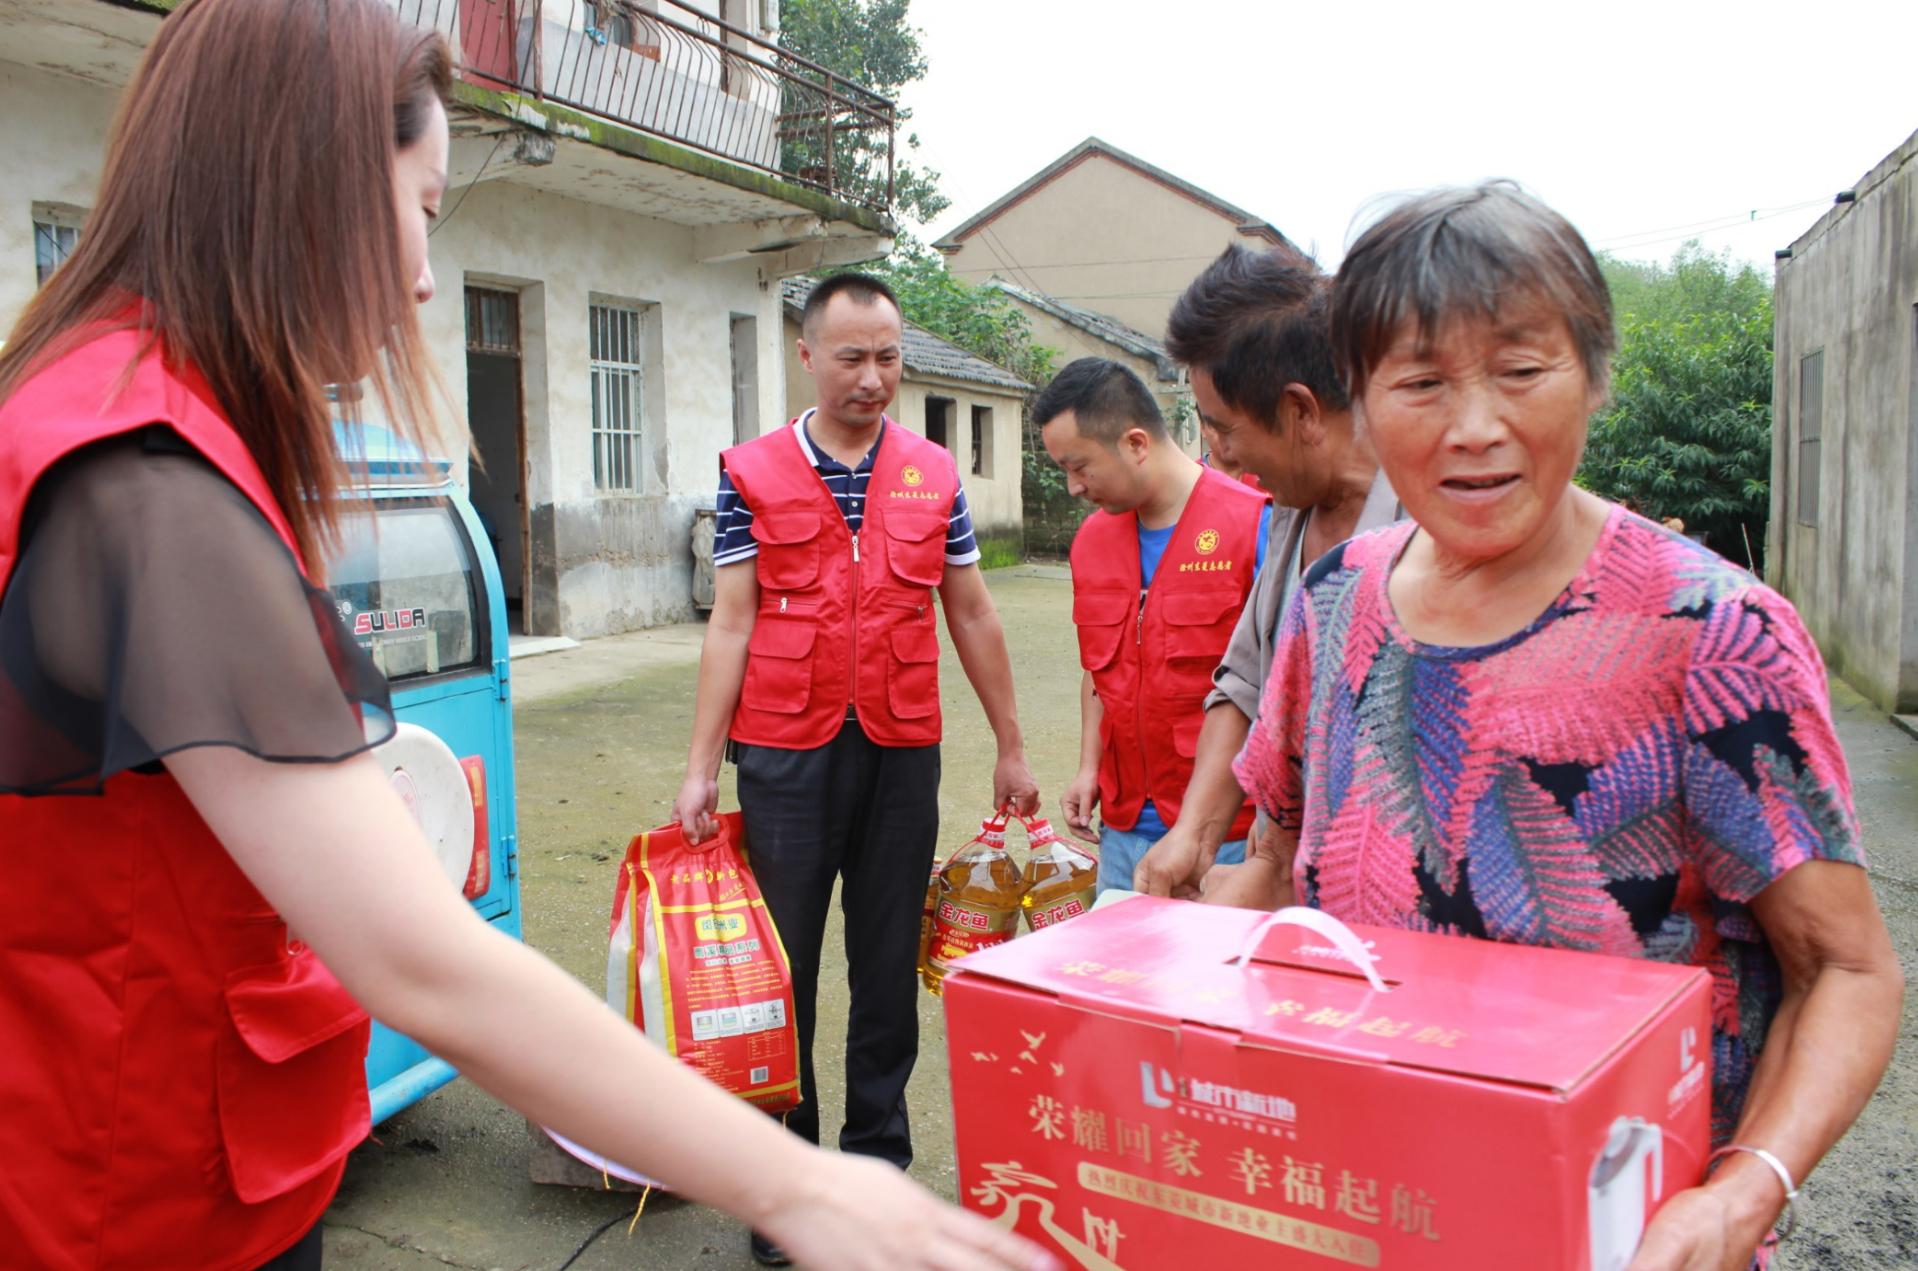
(1343, 938)
(721, 836)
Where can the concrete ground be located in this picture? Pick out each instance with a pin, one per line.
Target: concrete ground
(601, 733)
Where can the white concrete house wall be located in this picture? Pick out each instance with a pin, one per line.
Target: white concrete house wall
(617, 560)
(551, 212)
(56, 134)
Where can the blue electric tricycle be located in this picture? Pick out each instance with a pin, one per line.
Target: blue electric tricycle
(418, 586)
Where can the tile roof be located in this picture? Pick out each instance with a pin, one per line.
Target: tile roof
(924, 352)
(1097, 325)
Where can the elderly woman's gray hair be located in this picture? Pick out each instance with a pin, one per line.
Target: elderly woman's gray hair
(1481, 252)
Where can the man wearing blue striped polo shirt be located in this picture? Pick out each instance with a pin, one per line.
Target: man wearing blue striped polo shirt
(819, 676)
(735, 543)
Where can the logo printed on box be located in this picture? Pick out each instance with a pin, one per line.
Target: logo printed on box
(1211, 1095)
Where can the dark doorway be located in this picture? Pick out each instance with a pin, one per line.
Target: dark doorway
(939, 413)
(495, 414)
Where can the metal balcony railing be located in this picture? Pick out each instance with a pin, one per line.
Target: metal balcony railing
(673, 70)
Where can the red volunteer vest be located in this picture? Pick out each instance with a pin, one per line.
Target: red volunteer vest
(1152, 662)
(843, 618)
(179, 1087)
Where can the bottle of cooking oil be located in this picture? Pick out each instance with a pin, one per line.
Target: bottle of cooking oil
(973, 903)
(1061, 880)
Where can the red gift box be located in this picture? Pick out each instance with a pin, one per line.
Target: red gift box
(1129, 1093)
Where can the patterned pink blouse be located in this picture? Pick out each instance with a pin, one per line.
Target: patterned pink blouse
(1622, 776)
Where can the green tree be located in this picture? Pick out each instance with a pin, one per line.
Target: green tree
(869, 43)
(1687, 431)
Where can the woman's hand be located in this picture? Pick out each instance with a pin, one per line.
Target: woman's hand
(860, 1214)
(1693, 1231)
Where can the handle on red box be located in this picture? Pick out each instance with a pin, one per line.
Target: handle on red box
(1343, 938)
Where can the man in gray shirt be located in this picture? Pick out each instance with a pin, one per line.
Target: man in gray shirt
(1251, 329)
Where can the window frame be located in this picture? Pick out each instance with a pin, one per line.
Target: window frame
(619, 450)
(1810, 434)
(376, 507)
(982, 456)
(55, 219)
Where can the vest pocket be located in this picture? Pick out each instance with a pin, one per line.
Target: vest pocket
(1199, 626)
(1104, 619)
(1185, 734)
(916, 545)
(779, 665)
(788, 548)
(912, 681)
(290, 1074)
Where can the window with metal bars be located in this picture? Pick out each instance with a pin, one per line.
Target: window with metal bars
(492, 321)
(617, 332)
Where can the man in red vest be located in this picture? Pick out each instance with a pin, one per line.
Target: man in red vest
(820, 677)
(1159, 575)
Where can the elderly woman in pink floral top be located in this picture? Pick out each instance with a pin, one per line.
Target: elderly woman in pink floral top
(1530, 715)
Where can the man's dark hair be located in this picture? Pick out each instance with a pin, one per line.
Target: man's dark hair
(1483, 252)
(1105, 399)
(861, 289)
(1256, 322)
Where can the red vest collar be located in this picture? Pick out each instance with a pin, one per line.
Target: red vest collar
(113, 383)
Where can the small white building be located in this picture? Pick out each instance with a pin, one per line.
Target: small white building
(631, 182)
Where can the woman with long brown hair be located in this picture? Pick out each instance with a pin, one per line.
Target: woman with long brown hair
(193, 842)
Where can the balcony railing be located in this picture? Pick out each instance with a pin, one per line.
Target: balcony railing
(676, 71)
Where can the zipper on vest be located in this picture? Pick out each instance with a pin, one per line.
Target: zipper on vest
(782, 604)
(852, 686)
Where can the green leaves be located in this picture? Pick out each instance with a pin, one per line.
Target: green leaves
(1687, 431)
(869, 43)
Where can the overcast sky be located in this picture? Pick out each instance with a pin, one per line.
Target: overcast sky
(1645, 123)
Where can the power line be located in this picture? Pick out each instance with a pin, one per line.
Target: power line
(1143, 260)
(1123, 295)
(479, 176)
(1674, 233)
(986, 231)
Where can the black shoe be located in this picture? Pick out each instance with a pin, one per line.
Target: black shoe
(768, 1254)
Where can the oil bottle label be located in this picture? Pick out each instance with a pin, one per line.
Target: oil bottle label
(960, 928)
(1060, 910)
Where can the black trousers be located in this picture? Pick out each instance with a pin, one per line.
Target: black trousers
(303, 1256)
(867, 814)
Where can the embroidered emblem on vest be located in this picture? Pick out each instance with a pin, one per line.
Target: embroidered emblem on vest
(1208, 542)
(911, 475)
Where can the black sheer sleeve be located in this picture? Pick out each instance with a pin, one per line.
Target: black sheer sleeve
(154, 609)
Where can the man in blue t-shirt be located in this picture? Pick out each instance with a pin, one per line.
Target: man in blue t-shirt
(1101, 425)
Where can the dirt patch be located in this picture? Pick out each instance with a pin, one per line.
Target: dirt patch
(600, 740)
